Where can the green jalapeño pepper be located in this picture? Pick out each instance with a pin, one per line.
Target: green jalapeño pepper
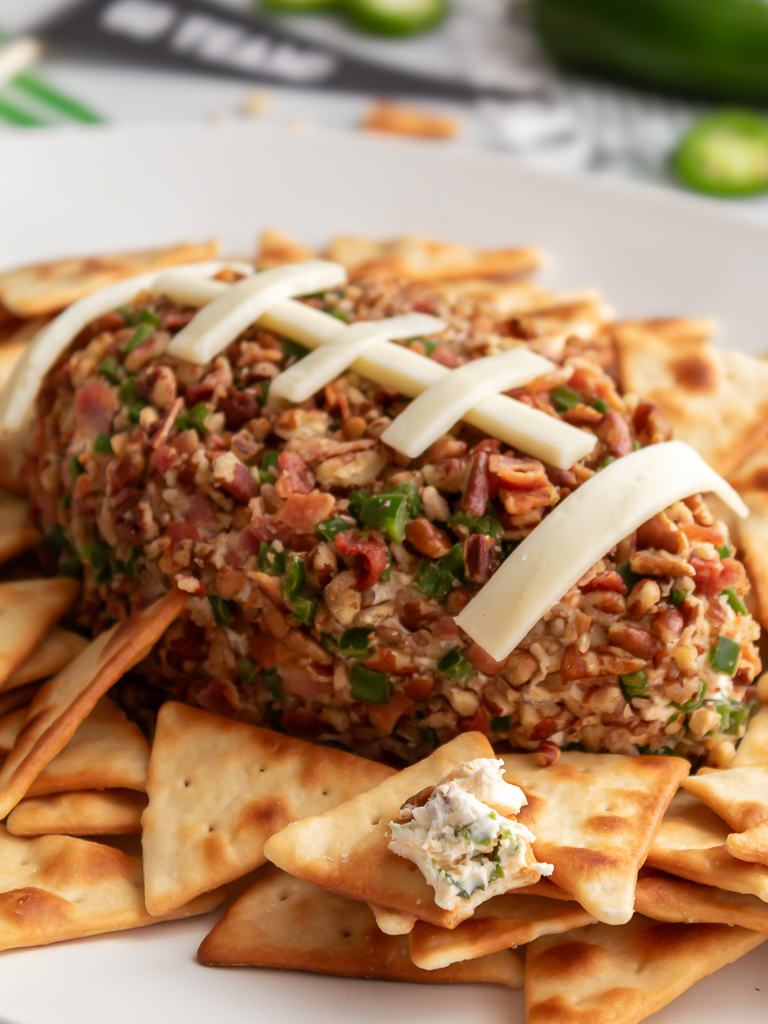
(709, 49)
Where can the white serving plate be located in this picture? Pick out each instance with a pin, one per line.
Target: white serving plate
(651, 253)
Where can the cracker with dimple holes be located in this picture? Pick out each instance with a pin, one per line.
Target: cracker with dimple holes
(101, 812)
(667, 898)
(55, 651)
(28, 609)
(594, 817)
(62, 703)
(753, 748)
(696, 385)
(346, 849)
(282, 921)
(604, 975)
(219, 788)
(424, 259)
(501, 923)
(738, 795)
(106, 751)
(57, 887)
(750, 845)
(691, 843)
(48, 287)
(17, 533)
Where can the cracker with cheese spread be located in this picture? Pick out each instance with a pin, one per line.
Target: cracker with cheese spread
(282, 921)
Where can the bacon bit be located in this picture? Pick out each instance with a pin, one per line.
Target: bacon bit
(368, 555)
(715, 577)
(419, 688)
(166, 426)
(482, 661)
(545, 728)
(477, 493)
(518, 503)
(480, 557)
(703, 534)
(447, 357)
(238, 407)
(96, 403)
(510, 473)
(605, 581)
(298, 679)
(123, 472)
(477, 724)
(582, 415)
(614, 432)
(385, 717)
(175, 320)
(232, 476)
(548, 753)
(295, 476)
(302, 512)
(178, 532)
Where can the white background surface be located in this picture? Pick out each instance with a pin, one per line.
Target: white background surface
(649, 251)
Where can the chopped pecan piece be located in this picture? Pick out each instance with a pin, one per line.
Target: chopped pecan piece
(430, 540)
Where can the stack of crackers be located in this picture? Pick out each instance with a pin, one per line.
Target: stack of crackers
(659, 878)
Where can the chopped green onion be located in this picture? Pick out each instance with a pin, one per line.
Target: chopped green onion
(635, 684)
(734, 601)
(268, 463)
(608, 461)
(132, 400)
(329, 528)
(455, 666)
(356, 501)
(677, 597)
(292, 349)
(142, 332)
(294, 583)
(488, 526)
(303, 609)
(694, 702)
(601, 406)
(387, 512)
(109, 368)
(272, 683)
(501, 724)
(356, 641)
(66, 501)
(724, 657)
(411, 492)
(368, 686)
(340, 314)
(222, 610)
(437, 579)
(102, 444)
(733, 715)
(630, 578)
(70, 565)
(97, 555)
(56, 539)
(75, 467)
(565, 398)
(270, 560)
(725, 551)
(428, 736)
(197, 416)
(127, 567)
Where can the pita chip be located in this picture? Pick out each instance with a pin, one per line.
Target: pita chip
(64, 701)
(48, 287)
(752, 534)
(753, 748)
(267, 927)
(696, 385)
(55, 651)
(57, 887)
(277, 249)
(750, 845)
(605, 975)
(28, 609)
(666, 898)
(218, 789)
(11, 700)
(424, 259)
(691, 843)
(738, 795)
(594, 817)
(100, 812)
(17, 534)
(501, 923)
(346, 850)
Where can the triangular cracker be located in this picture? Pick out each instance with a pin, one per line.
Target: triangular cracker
(28, 609)
(697, 386)
(55, 651)
(219, 788)
(57, 887)
(691, 843)
(283, 921)
(753, 748)
(20, 696)
(276, 249)
(739, 795)
(667, 898)
(345, 849)
(62, 703)
(424, 259)
(17, 533)
(752, 534)
(594, 817)
(101, 812)
(605, 975)
(501, 923)
(48, 287)
(106, 751)
(750, 845)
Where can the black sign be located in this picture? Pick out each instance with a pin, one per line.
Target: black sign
(195, 35)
